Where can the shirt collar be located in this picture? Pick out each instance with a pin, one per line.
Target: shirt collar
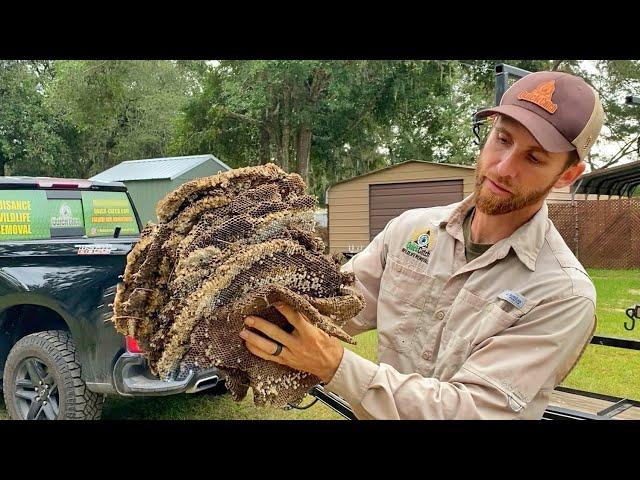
(526, 241)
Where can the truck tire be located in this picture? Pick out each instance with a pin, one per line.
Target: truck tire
(42, 380)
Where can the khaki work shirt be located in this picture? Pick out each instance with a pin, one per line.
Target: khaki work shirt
(488, 339)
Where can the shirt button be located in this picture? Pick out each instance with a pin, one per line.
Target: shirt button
(440, 315)
(426, 355)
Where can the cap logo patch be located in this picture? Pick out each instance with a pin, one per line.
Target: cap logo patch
(541, 96)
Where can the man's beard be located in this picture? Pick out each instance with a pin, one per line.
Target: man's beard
(491, 204)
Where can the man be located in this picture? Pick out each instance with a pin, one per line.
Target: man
(480, 306)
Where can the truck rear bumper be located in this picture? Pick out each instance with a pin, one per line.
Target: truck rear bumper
(132, 377)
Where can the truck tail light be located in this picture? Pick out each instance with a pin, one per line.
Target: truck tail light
(132, 345)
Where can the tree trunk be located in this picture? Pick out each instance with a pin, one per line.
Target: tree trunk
(304, 149)
(1, 165)
(279, 159)
(286, 128)
(265, 154)
(275, 136)
(284, 146)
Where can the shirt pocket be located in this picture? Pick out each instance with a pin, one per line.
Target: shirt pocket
(476, 318)
(471, 320)
(401, 303)
(494, 320)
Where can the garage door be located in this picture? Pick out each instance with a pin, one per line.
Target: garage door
(390, 200)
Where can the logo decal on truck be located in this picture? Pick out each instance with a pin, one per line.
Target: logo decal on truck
(65, 218)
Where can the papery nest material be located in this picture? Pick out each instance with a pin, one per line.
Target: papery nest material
(225, 247)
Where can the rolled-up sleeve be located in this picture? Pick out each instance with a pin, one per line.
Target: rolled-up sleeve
(497, 381)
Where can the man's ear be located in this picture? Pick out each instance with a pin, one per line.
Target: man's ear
(571, 174)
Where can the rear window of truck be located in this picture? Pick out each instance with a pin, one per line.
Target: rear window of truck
(104, 211)
(45, 214)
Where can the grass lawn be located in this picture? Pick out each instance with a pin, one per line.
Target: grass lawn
(602, 369)
(608, 370)
(204, 406)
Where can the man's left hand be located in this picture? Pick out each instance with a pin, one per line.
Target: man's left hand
(307, 348)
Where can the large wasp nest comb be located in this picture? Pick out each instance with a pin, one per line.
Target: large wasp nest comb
(225, 247)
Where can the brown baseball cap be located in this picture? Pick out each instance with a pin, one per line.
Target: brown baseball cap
(560, 110)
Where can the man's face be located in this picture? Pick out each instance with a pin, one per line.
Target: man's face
(513, 170)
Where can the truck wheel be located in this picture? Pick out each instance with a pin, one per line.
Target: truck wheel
(42, 380)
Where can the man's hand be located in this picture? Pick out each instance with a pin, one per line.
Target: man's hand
(307, 348)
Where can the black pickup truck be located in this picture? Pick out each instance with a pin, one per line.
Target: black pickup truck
(63, 249)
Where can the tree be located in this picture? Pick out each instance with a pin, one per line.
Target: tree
(111, 111)
(614, 80)
(258, 111)
(331, 118)
(27, 140)
(327, 120)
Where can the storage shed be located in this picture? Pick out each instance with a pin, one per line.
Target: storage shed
(149, 180)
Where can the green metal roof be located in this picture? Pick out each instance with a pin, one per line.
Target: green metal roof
(166, 168)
